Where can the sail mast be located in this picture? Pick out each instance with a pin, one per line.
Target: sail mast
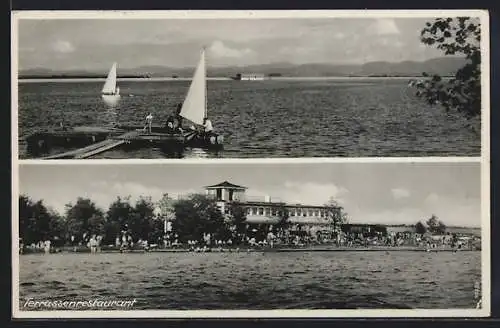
(205, 75)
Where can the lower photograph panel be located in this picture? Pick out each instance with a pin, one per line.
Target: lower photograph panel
(275, 236)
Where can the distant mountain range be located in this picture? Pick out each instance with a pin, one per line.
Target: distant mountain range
(444, 66)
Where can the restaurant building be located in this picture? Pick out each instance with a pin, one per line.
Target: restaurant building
(267, 210)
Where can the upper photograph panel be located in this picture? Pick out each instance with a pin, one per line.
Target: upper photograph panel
(234, 85)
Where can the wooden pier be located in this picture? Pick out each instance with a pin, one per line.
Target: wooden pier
(96, 140)
(96, 148)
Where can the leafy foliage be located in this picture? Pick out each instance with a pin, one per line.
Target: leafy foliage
(117, 218)
(238, 216)
(198, 215)
(462, 93)
(84, 218)
(283, 214)
(434, 225)
(335, 214)
(420, 228)
(140, 223)
(37, 222)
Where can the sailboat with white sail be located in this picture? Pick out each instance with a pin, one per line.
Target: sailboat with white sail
(110, 91)
(195, 109)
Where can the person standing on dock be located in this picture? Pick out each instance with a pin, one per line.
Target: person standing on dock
(149, 122)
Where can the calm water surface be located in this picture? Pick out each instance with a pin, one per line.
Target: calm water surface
(305, 280)
(267, 118)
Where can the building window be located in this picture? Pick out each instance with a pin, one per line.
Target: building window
(231, 195)
(261, 211)
(273, 213)
(219, 194)
(299, 212)
(268, 211)
(304, 212)
(316, 213)
(311, 213)
(254, 210)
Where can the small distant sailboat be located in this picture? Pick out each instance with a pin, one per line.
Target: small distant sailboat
(110, 91)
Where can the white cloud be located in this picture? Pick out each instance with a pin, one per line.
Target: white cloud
(399, 193)
(313, 193)
(404, 215)
(432, 199)
(384, 27)
(301, 193)
(219, 49)
(63, 46)
(103, 193)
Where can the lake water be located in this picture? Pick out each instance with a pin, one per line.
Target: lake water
(287, 118)
(302, 280)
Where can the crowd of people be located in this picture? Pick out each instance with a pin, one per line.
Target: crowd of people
(269, 237)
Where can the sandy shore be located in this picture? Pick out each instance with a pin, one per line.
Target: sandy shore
(275, 250)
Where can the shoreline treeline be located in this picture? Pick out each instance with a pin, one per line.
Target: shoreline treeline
(195, 216)
(196, 220)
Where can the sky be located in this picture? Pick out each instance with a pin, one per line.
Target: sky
(89, 44)
(383, 193)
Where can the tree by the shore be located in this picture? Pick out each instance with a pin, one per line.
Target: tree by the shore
(435, 226)
(117, 218)
(37, 222)
(84, 219)
(335, 214)
(462, 93)
(238, 214)
(283, 216)
(141, 219)
(191, 219)
(196, 216)
(420, 228)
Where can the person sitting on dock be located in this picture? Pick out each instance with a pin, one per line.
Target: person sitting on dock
(207, 128)
(178, 118)
(169, 125)
(149, 121)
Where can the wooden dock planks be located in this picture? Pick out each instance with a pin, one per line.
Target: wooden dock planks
(110, 145)
(94, 149)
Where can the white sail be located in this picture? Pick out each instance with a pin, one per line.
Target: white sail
(110, 85)
(194, 106)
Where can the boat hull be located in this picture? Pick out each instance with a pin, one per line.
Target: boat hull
(111, 100)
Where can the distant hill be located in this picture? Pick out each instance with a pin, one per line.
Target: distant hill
(444, 66)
